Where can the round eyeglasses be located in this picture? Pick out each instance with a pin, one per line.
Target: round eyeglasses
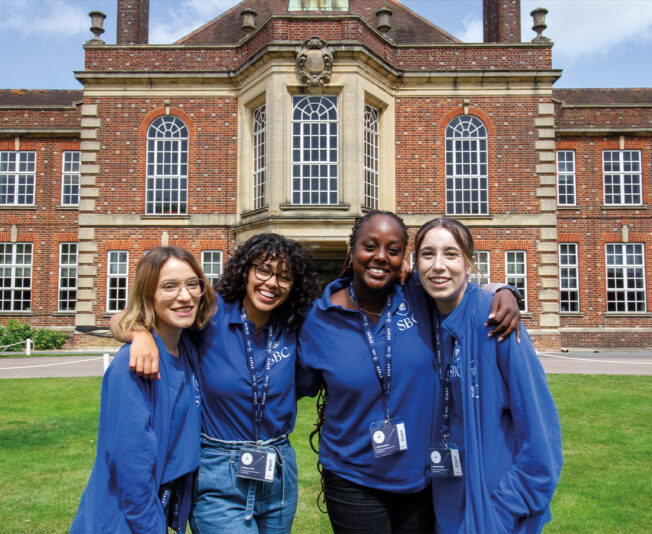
(264, 273)
(172, 288)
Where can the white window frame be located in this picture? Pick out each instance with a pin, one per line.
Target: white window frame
(17, 177)
(627, 274)
(17, 295)
(211, 263)
(259, 144)
(117, 280)
(483, 264)
(315, 169)
(67, 294)
(516, 273)
(70, 177)
(569, 278)
(371, 156)
(166, 191)
(566, 178)
(467, 166)
(622, 177)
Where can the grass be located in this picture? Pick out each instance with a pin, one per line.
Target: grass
(47, 447)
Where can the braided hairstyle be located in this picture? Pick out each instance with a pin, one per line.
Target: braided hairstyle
(347, 268)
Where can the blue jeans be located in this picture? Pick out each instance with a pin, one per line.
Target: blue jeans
(222, 502)
(361, 510)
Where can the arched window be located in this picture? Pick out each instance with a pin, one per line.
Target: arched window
(371, 158)
(167, 166)
(260, 156)
(466, 167)
(314, 150)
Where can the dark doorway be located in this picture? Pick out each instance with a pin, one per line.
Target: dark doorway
(328, 269)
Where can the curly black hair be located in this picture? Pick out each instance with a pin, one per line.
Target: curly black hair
(260, 248)
(347, 268)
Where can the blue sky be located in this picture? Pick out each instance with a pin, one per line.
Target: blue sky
(598, 43)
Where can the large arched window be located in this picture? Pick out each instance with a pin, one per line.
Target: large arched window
(314, 150)
(167, 166)
(371, 158)
(260, 156)
(466, 167)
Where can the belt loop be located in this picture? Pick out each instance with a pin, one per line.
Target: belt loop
(251, 500)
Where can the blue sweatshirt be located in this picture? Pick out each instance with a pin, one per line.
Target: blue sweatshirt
(333, 349)
(226, 382)
(506, 425)
(148, 436)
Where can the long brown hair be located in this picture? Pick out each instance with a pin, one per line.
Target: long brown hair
(139, 313)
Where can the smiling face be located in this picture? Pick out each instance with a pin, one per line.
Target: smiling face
(176, 313)
(443, 270)
(378, 254)
(264, 296)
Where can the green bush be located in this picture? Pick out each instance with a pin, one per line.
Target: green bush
(43, 338)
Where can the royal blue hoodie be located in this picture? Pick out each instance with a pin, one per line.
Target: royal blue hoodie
(148, 435)
(333, 349)
(508, 427)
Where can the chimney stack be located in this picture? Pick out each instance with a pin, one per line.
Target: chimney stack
(133, 22)
(502, 21)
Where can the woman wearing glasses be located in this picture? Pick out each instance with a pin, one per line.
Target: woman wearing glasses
(147, 446)
(247, 479)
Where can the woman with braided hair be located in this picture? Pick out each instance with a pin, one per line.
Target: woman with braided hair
(368, 342)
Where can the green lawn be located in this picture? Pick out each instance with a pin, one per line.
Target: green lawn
(47, 447)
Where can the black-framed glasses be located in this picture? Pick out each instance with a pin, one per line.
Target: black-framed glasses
(172, 288)
(264, 273)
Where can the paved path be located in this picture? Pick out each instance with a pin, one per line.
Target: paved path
(612, 362)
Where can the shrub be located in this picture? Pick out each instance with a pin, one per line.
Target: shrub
(43, 338)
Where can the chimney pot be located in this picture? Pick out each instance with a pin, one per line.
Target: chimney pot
(383, 14)
(248, 19)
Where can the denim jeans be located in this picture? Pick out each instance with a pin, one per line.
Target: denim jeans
(223, 502)
(361, 510)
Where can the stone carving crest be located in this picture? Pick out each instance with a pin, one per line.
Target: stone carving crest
(315, 62)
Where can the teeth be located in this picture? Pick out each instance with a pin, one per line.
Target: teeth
(181, 310)
(439, 280)
(376, 270)
(267, 294)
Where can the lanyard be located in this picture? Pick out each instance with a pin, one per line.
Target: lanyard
(445, 380)
(258, 404)
(386, 379)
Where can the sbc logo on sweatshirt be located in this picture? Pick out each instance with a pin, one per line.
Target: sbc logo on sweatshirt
(279, 354)
(405, 319)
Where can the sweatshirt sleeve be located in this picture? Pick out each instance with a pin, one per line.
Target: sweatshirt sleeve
(527, 488)
(307, 379)
(131, 450)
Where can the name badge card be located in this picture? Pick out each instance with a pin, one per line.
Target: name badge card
(388, 437)
(445, 461)
(256, 465)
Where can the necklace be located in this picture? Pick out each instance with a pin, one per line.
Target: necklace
(366, 311)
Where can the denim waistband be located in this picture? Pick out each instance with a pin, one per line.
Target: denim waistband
(208, 441)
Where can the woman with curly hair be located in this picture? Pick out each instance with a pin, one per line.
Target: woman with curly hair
(247, 479)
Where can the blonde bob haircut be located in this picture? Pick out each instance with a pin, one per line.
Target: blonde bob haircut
(139, 313)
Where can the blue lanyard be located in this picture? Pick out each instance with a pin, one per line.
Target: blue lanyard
(445, 380)
(386, 379)
(258, 403)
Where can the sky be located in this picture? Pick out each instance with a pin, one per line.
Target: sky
(598, 43)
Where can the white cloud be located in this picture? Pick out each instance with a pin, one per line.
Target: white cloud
(583, 28)
(472, 31)
(54, 20)
(171, 21)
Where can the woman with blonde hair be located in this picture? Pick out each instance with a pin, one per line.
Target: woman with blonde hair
(148, 438)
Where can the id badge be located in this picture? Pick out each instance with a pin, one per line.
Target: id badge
(388, 437)
(445, 461)
(256, 464)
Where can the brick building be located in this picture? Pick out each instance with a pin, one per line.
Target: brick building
(296, 116)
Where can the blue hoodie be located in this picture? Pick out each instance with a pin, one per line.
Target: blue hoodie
(148, 435)
(226, 382)
(505, 424)
(333, 349)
